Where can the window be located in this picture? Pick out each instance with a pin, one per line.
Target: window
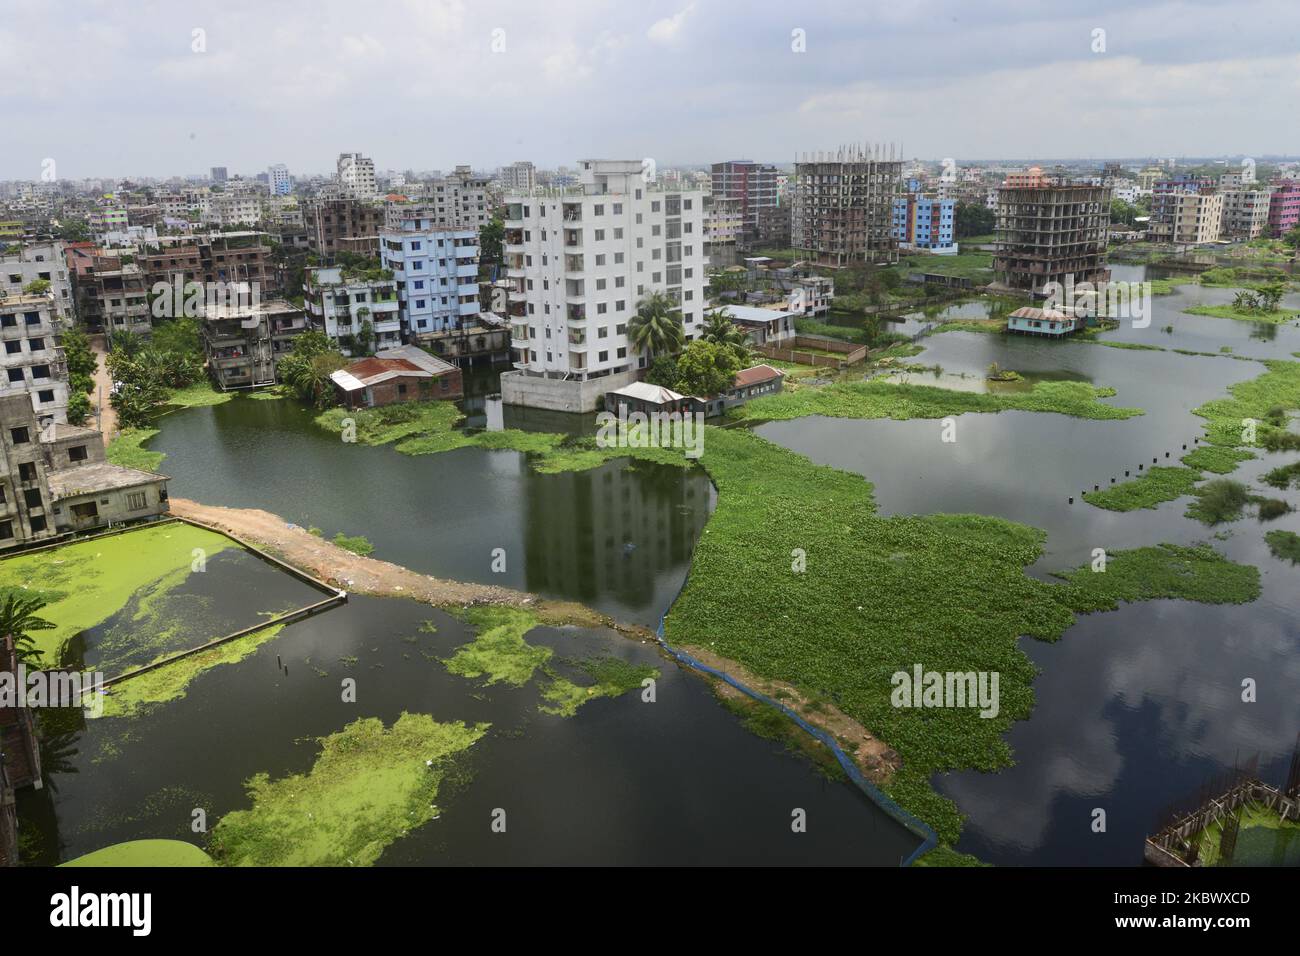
(32, 497)
(15, 375)
(6, 530)
(14, 347)
(136, 501)
(77, 453)
(85, 510)
(19, 435)
(45, 396)
(37, 522)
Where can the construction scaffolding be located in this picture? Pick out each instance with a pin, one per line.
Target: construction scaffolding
(843, 205)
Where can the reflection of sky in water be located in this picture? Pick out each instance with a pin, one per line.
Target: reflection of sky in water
(1135, 708)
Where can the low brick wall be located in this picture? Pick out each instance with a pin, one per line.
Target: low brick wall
(793, 350)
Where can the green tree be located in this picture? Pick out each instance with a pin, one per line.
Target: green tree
(490, 239)
(663, 372)
(704, 368)
(973, 219)
(657, 326)
(1292, 238)
(78, 408)
(720, 330)
(78, 353)
(17, 618)
(37, 287)
(365, 337)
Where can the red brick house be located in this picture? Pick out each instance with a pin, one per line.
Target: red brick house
(403, 374)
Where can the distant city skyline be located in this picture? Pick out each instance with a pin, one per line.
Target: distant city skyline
(154, 89)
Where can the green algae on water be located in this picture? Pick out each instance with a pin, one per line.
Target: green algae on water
(369, 787)
(499, 651)
(612, 677)
(94, 579)
(145, 853)
(171, 681)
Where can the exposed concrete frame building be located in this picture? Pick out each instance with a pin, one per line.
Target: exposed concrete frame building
(843, 205)
(1047, 233)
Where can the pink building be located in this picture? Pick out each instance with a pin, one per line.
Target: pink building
(1284, 207)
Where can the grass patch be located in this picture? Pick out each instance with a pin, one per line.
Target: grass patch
(126, 449)
(944, 855)
(882, 399)
(1219, 501)
(145, 853)
(1228, 312)
(1216, 459)
(1284, 545)
(1147, 491)
(1256, 400)
(1195, 573)
(1287, 476)
(357, 544)
(369, 787)
(198, 395)
(769, 723)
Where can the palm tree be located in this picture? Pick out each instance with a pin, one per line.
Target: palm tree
(720, 330)
(17, 617)
(657, 326)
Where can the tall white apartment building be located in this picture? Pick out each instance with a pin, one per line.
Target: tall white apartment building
(227, 209)
(42, 260)
(579, 260)
(357, 176)
(278, 179)
(436, 272)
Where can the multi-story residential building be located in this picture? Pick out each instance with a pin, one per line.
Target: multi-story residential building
(31, 361)
(243, 257)
(245, 342)
(357, 176)
(753, 184)
(111, 296)
(88, 492)
(436, 272)
(1245, 213)
(41, 261)
(578, 263)
(1284, 207)
(724, 222)
(25, 499)
(104, 219)
(519, 177)
(230, 209)
(279, 180)
(811, 296)
(458, 201)
(1186, 211)
(341, 303)
(1126, 190)
(344, 225)
(1048, 233)
(773, 227)
(925, 222)
(218, 174)
(843, 206)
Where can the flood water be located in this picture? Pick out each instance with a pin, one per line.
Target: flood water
(678, 780)
(1135, 708)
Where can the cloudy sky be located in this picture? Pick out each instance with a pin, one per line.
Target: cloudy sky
(117, 88)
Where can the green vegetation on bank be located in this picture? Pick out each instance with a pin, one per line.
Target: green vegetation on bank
(127, 449)
(369, 787)
(1285, 476)
(876, 398)
(357, 544)
(1262, 401)
(1275, 316)
(1216, 459)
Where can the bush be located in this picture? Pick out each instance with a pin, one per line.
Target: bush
(1219, 501)
(1270, 508)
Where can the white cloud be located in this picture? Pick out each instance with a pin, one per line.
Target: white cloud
(667, 29)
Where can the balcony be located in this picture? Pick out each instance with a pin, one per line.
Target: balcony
(573, 238)
(577, 313)
(517, 309)
(574, 264)
(573, 212)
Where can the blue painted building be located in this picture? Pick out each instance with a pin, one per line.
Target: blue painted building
(924, 222)
(437, 275)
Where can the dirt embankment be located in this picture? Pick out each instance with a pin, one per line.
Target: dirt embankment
(352, 572)
(875, 758)
(105, 414)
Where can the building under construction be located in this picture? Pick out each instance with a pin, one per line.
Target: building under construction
(843, 204)
(1047, 232)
